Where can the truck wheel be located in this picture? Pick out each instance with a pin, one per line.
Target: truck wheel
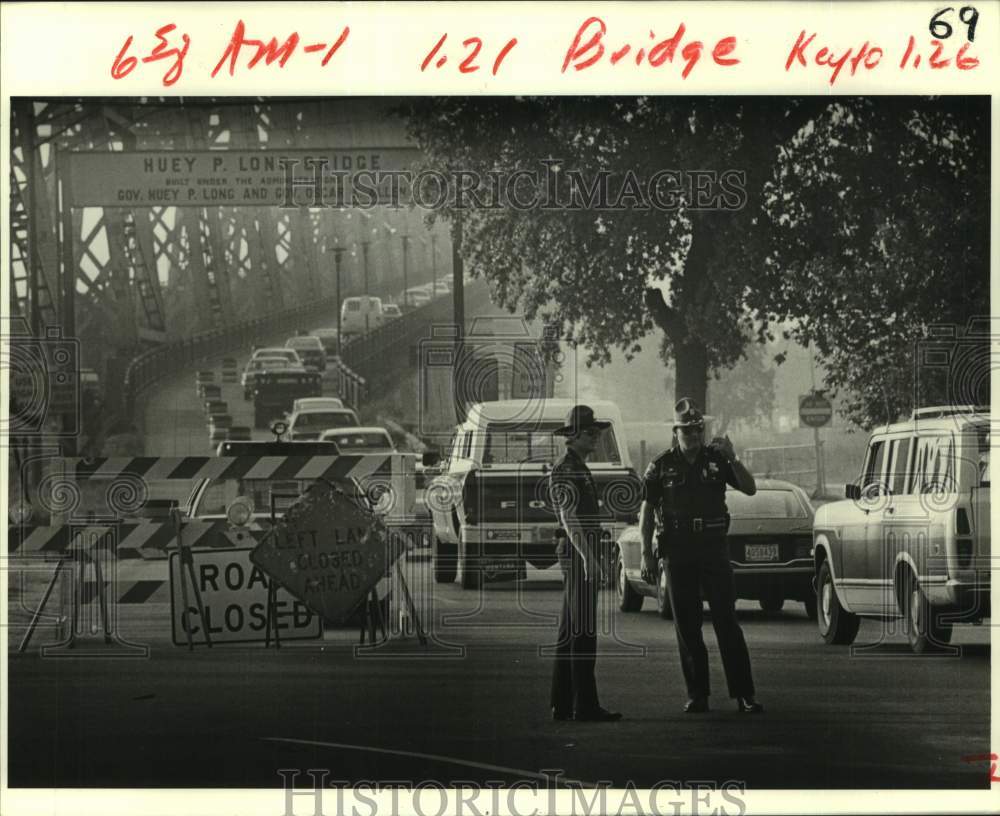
(772, 603)
(444, 562)
(628, 599)
(663, 607)
(922, 621)
(469, 574)
(836, 625)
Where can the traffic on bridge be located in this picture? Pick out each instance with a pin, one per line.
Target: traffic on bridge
(624, 445)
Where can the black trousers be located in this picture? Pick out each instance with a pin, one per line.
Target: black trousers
(697, 563)
(574, 687)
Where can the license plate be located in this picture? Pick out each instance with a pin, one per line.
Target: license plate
(762, 552)
(496, 565)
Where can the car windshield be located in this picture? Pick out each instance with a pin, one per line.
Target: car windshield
(270, 362)
(219, 494)
(765, 504)
(363, 440)
(325, 419)
(510, 443)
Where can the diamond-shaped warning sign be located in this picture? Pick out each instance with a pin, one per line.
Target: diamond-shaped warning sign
(328, 551)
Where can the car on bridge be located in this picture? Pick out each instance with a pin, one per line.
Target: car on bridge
(317, 403)
(770, 548)
(390, 311)
(329, 339)
(911, 540)
(310, 350)
(360, 315)
(363, 439)
(260, 365)
(309, 424)
(416, 297)
(275, 392)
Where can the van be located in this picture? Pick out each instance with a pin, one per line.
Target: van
(359, 315)
(911, 539)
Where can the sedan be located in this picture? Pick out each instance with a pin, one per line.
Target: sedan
(770, 549)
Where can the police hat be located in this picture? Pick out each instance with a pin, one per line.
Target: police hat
(579, 419)
(686, 414)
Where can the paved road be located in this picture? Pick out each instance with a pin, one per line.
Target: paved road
(473, 706)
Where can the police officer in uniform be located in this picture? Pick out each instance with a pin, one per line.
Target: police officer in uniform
(574, 496)
(685, 487)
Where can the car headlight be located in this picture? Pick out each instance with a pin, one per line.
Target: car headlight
(240, 511)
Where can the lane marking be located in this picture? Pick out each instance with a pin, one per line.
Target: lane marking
(483, 766)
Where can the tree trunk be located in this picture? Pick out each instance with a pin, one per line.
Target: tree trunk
(691, 361)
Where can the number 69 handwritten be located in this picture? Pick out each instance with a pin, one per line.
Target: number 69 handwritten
(941, 29)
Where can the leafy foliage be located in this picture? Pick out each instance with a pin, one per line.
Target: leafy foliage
(864, 220)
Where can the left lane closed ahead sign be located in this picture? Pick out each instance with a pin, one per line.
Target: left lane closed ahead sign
(234, 593)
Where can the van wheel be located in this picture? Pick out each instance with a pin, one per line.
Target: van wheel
(628, 599)
(663, 607)
(444, 562)
(836, 625)
(922, 622)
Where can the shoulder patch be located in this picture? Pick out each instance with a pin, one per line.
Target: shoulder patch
(650, 470)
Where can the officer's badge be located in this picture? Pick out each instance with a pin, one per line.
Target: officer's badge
(713, 469)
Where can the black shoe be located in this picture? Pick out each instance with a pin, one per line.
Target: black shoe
(696, 705)
(559, 715)
(598, 715)
(748, 705)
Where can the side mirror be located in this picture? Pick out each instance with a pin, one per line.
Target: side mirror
(852, 491)
(430, 458)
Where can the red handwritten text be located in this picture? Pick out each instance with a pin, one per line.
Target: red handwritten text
(271, 51)
(937, 60)
(124, 65)
(866, 56)
(468, 65)
(991, 758)
(587, 49)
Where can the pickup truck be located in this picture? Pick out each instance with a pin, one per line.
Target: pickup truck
(490, 506)
(911, 540)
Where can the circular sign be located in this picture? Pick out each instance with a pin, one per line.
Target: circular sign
(815, 411)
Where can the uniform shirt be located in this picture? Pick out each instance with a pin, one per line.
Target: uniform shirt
(572, 483)
(677, 489)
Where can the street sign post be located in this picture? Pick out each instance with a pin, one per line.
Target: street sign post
(816, 411)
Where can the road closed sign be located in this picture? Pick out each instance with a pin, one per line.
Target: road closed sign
(815, 411)
(234, 595)
(329, 551)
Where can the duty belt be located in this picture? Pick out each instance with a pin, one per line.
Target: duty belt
(696, 525)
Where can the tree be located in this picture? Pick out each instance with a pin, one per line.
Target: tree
(609, 274)
(878, 220)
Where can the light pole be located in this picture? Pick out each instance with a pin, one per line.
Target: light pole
(364, 248)
(406, 264)
(434, 265)
(338, 254)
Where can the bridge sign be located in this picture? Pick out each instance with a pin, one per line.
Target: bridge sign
(279, 177)
(815, 411)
